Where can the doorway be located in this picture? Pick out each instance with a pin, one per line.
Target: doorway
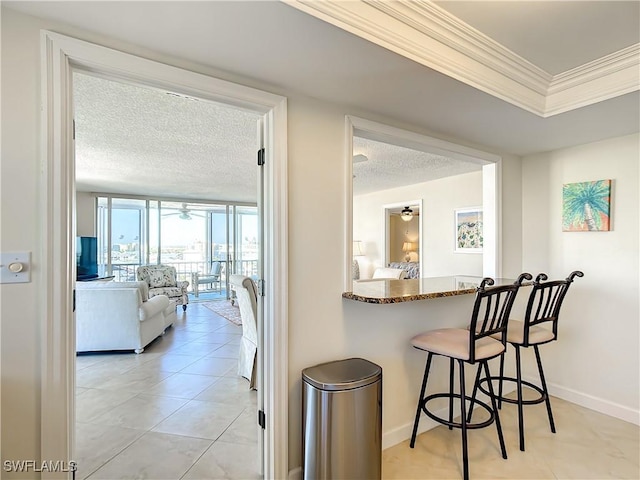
(180, 391)
(386, 165)
(61, 54)
(403, 238)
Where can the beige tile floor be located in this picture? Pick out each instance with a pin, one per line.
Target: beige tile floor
(587, 445)
(178, 410)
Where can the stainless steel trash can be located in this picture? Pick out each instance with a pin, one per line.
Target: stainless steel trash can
(342, 420)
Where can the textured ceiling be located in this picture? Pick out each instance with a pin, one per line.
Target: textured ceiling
(141, 141)
(391, 166)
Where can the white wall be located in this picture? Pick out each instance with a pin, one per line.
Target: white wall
(440, 198)
(85, 214)
(595, 361)
(323, 326)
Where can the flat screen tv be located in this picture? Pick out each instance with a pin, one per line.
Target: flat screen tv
(86, 258)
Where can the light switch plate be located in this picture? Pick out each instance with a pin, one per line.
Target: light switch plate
(21, 258)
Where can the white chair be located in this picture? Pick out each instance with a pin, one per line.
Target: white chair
(212, 278)
(247, 298)
(391, 273)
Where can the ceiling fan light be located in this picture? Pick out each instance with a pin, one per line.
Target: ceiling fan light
(406, 214)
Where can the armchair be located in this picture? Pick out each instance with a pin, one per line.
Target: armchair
(212, 278)
(162, 280)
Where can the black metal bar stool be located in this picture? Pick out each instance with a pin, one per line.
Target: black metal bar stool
(475, 344)
(543, 306)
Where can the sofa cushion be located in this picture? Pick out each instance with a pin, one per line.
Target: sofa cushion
(162, 277)
(170, 292)
(152, 307)
(143, 289)
(170, 313)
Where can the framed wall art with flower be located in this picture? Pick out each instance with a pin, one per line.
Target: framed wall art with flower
(468, 230)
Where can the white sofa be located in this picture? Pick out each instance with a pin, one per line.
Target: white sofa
(119, 316)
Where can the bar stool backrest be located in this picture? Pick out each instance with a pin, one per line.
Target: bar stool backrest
(545, 302)
(491, 310)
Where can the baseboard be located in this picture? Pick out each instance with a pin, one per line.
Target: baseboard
(402, 433)
(593, 403)
(295, 473)
(606, 407)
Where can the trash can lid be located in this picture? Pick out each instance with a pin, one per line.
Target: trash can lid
(342, 374)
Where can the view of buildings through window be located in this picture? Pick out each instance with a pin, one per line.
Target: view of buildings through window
(189, 236)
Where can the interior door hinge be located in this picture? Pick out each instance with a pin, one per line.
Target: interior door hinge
(262, 419)
(74, 130)
(261, 287)
(74, 300)
(261, 157)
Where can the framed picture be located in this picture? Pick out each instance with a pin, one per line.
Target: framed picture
(468, 230)
(586, 206)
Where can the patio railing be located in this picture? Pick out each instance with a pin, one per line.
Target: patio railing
(126, 272)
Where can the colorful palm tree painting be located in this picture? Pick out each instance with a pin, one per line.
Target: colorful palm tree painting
(585, 206)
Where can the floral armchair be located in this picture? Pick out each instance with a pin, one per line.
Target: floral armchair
(162, 280)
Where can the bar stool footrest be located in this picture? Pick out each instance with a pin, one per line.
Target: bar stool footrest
(530, 385)
(443, 421)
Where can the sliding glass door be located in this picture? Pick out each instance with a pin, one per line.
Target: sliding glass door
(189, 236)
(246, 241)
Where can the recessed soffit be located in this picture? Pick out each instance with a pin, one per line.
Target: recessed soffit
(428, 34)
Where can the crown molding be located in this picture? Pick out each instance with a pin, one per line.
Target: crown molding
(607, 77)
(429, 35)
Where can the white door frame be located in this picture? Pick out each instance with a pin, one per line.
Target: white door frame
(59, 55)
(491, 185)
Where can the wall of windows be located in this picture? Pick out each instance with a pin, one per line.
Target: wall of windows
(188, 235)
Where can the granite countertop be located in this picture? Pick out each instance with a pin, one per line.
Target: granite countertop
(397, 291)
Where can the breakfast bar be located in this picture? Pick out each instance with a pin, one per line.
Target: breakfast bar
(385, 291)
(383, 315)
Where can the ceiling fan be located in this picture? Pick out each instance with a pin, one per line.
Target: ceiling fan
(183, 213)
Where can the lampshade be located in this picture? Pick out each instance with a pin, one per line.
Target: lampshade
(358, 248)
(408, 247)
(406, 214)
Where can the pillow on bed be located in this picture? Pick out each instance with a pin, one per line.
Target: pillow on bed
(392, 273)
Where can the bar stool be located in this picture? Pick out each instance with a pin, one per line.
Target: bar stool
(475, 344)
(543, 306)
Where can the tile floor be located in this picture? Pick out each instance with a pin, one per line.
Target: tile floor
(176, 411)
(587, 445)
(179, 411)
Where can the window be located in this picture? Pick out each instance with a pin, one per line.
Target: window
(188, 235)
